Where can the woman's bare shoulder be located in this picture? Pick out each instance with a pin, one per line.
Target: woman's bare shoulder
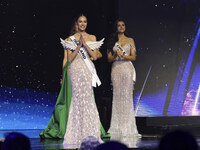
(68, 39)
(131, 40)
(92, 37)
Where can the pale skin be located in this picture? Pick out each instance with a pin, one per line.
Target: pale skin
(99, 55)
(82, 37)
(123, 40)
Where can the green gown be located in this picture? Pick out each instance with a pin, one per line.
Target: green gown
(57, 124)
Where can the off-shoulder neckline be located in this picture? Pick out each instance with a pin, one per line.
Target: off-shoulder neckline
(124, 45)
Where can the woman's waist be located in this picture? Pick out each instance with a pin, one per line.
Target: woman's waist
(122, 64)
(78, 62)
(78, 58)
(122, 61)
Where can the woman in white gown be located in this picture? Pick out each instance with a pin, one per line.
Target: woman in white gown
(121, 51)
(83, 117)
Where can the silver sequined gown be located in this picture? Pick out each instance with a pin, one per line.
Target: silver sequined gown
(123, 126)
(83, 118)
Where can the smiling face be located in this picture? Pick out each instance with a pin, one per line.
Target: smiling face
(82, 23)
(121, 28)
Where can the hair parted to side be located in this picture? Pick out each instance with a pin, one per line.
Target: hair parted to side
(73, 29)
(80, 15)
(113, 38)
(74, 22)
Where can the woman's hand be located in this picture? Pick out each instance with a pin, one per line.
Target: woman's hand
(61, 82)
(119, 53)
(71, 55)
(115, 55)
(82, 40)
(111, 57)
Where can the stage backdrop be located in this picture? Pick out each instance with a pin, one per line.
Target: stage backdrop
(166, 34)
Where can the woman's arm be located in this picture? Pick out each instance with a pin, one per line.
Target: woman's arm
(65, 58)
(132, 56)
(99, 55)
(71, 55)
(93, 53)
(64, 62)
(111, 57)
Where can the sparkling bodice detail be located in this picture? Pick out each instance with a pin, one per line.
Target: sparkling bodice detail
(83, 117)
(126, 47)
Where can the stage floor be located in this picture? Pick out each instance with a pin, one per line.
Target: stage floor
(151, 128)
(146, 142)
(143, 143)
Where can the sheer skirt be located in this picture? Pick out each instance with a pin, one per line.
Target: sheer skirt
(123, 125)
(83, 118)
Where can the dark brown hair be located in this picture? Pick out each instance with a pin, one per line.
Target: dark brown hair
(114, 36)
(73, 30)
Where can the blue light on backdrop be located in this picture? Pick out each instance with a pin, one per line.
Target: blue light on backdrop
(152, 104)
(30, 109)
(25, 109)
(189, 107)
(180, 87)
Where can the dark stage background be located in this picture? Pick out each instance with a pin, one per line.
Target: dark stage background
(166, 34)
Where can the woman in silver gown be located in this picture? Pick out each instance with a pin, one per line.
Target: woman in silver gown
(121, 51)
(83, 117)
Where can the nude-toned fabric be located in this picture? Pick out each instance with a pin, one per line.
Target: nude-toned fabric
(83, 118)
(123, 126)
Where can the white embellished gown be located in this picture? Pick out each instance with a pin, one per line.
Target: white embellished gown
(123, 125)
(83, 117)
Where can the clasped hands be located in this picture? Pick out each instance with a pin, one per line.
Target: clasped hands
(119, 53)
(81, 41)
